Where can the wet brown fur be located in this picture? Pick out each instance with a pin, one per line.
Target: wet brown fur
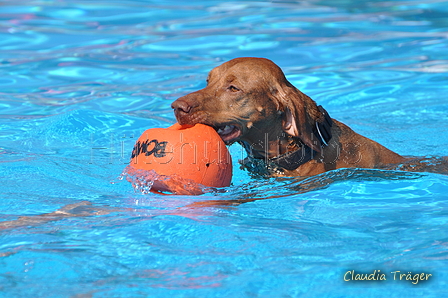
(254, 95)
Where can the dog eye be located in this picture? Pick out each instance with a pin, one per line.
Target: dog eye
(233, 88)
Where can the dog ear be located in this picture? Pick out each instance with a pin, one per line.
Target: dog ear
(299, 115)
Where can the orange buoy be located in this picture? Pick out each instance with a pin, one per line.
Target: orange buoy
(180, 155)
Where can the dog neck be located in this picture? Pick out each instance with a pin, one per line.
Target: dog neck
(293, 152)
(293, 159)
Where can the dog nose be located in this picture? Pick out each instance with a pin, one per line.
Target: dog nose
(181, 105)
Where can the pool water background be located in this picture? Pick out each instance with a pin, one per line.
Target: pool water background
(81, 80)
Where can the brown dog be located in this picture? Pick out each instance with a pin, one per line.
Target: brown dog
(249, 100)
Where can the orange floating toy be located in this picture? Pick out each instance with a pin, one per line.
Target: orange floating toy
(181, 157)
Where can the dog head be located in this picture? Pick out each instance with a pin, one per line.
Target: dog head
(249, 100)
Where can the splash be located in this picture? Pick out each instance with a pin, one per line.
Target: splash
(431, 164)
(148, 181)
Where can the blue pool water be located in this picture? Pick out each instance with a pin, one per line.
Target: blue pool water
(81, 80)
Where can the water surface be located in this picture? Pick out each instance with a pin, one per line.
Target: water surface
(81, 80)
